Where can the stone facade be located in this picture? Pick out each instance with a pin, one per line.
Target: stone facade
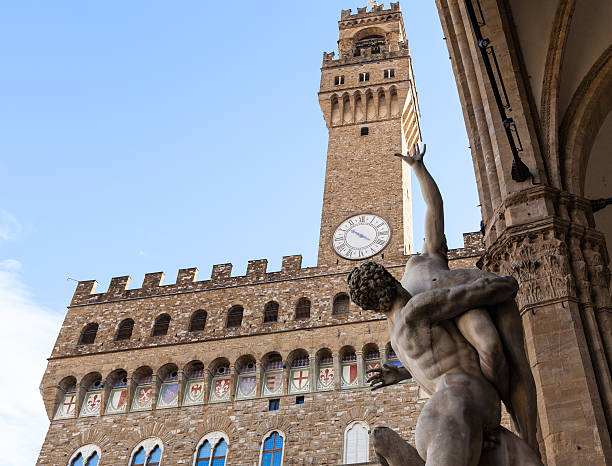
(120, 352)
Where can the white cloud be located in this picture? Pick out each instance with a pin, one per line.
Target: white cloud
(9, 226)
(27, 335)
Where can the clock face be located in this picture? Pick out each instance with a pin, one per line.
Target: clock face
(361, 236)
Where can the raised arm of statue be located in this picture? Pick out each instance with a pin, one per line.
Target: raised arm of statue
(435, 241)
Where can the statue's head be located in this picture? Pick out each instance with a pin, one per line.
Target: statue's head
(372, 287)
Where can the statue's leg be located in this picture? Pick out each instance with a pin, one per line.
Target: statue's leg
(448, 431)
(478, 329)
(522, 386)
(393, 450)
(509, 450)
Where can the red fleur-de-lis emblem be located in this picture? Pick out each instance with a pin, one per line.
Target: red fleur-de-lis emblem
(326, 376)
(221, 387)
(93, 402)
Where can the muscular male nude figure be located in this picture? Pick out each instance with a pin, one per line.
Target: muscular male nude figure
(464, 409)
(497, 335)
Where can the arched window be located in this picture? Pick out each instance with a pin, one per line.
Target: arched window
(68, 402)
(117, 398)
(93, 397)
(272, 450)
(143, 393)
(371, 358)
(271, 312)
(124, 331)
(325, 363)
(221, 382)
(247, 378)
(234, 316)
(161, 325)
(198, 321)
(341, 304)
(194, 389)
(273, 377)
(88, 335)
(349, 369)
(302, 309)
(147, 453)
(392, 357)
(212, 450)
(168, 393)
(356, 443)
(88, 455)
(299, 376)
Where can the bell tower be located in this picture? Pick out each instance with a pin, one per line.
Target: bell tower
(369, 101)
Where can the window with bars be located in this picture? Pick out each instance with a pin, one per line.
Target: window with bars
(125, 329)
(88, 335)
(363, 77)
(302, 309)
(234, 316)
(270, 312)
(198, 321)
(272, 453)
(160, 328)
(341, 304)
(390, 73)
(338, 80)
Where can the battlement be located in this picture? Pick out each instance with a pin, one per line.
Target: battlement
(376, 10)
(256, 273)
(186, 281)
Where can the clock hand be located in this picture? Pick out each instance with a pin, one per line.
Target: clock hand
(360, 235)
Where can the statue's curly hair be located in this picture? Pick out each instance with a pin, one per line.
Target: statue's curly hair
(372, 287)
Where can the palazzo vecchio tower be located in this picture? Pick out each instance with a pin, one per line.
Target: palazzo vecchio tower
(267, 368)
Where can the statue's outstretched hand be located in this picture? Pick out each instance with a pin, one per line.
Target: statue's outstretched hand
(415, 156)
(383, 376)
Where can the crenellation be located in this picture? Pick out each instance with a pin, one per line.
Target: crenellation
(291, 263)
(152, 280)
(83, 290)
(221, 273)
(186, 277)
(256, 269)
(118, 286)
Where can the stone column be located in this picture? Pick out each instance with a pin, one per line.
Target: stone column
(313, 374)
(156, 385)
(258, 379)
(560, 339)
(208, 376)
(384, 359)
(182, 381)
(337, 368)
(233, 382)
(360, 368)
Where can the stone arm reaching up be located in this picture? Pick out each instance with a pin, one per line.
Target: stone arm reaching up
(435, 241)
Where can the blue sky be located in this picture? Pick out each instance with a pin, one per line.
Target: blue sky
(150, 136)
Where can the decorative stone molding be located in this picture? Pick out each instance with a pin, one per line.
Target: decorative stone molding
(217, 423)
(148, 431)
(93, 437)
(540, 263)
(359, 413)
(277, 422)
